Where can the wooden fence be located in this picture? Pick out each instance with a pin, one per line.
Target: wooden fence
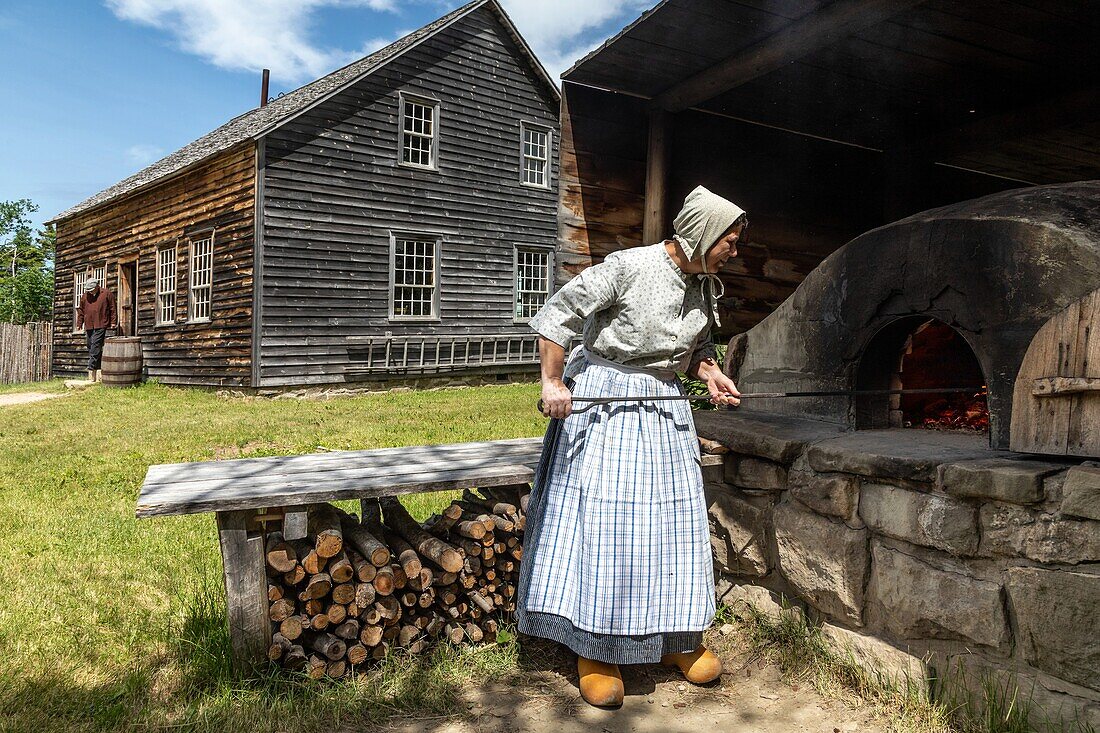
(25, 352)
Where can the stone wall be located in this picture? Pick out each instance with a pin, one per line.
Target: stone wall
(916, 545)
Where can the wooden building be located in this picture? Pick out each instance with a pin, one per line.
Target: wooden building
(822, 119)
(394, 218)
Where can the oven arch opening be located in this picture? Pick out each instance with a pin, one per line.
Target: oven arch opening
(920, 352)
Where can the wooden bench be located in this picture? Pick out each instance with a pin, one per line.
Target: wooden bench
(247, 494)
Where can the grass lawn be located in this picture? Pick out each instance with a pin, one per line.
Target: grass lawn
(110, 623)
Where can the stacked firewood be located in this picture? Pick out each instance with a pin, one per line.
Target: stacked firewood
(355, 588)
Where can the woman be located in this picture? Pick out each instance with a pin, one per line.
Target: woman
(617, 559)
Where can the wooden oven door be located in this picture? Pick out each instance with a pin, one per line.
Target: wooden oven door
(1056, 398)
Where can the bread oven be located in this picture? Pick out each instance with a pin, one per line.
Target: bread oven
(971, 546)
(948, 298)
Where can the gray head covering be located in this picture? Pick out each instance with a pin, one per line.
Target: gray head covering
(705, 217)
(91, 285)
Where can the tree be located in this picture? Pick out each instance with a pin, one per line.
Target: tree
(26, 283)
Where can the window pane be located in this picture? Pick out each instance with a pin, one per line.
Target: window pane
(535, 156)
(413, 278)
(418, 126)
(166, 285)
(532, 281)
(201, 273)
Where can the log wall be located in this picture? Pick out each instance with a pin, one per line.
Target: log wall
(805, 197)
(218, 193)
(603, 169)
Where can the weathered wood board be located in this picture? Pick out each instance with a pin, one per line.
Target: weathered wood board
(255, 483)
(1062, 423)
(245, 587)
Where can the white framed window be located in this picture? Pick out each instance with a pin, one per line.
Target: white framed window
(419, 131)
(80, 277)
(534, 155)
(201, 274)
(414, 277)
(166, 285)
(532, 282)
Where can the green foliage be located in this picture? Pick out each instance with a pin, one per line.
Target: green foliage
(26, 282)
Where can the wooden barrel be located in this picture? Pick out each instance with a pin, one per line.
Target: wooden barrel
(122, 361)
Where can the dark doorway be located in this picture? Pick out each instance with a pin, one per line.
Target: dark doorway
(127, 298)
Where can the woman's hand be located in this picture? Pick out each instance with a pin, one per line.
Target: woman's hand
(722, 389)
(557, 400)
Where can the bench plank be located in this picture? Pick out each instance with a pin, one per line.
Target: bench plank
(290, 481)
(244, 467)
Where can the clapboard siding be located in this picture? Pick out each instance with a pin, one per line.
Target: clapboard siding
(333, 192)
(220, 193)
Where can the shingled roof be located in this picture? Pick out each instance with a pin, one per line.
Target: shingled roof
(259, 121)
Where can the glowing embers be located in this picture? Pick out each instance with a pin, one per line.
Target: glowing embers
(920, 353)
(935, 356)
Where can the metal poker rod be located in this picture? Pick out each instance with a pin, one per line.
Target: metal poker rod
(593, 401)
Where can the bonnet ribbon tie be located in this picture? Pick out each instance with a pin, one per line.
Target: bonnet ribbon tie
(710, 296)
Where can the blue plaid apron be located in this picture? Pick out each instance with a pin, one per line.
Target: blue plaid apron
(617, 558)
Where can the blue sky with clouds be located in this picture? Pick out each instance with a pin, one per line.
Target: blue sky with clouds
(96, 90)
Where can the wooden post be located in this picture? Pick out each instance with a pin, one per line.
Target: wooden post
(656, 179)
(245, 587)
(296, 522)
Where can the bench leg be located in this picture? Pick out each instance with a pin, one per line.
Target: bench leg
(369, 510)
(296, 523)
(245, 587)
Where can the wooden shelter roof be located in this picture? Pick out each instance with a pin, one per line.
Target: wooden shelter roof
(1009, 88)
(258, 122)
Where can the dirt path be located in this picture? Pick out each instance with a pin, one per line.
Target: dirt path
(750, 697)
(22, 398)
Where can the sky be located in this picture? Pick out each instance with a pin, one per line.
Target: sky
(95, 90)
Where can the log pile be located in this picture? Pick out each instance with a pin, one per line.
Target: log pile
(355, 588)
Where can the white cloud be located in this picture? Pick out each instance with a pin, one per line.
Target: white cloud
(142, 154)
(559, 31)
(249, 35)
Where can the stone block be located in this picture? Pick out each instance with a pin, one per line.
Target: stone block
(738, 542)
(1016, 480)
(881, 454)
(914, 600)
(835, 494)
(775, 437)
(754, 473)
(1081, 492)
(825, 561)
(974, 676)
(923, 519)
(752, 596)
(720, 546)
(887, 663)
(1058, 622)
(1009, 530)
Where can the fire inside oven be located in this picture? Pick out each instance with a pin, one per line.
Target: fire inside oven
(920, 353)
